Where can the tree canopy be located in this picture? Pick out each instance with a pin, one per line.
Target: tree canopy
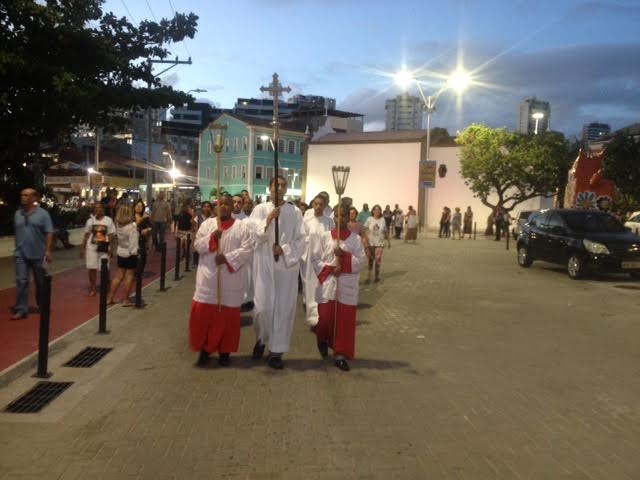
(504, 169)
(622, 165)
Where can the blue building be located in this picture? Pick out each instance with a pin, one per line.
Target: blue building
(247, 157)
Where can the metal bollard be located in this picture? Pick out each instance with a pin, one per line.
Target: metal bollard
(176, 272)
(474, 230)
(507, 235)
(139, 273)
(45, 321)
(187, 256)
(104, 290)
(163, 266)
(636, 231)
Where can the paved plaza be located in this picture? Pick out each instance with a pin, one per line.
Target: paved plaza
(468, 367)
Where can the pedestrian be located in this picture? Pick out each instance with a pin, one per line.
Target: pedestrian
(34, 246)
(143, 222)
(456, 224)
(313, 228)
(224, 249)
(353, 224)
(247, 206)
(338, 257)
(237, 212)
(398, 221)
(498, 220)
(303, 207)
(127, 253)
(387, 214)
(206, 211)
(445, 223)
(160, 217)
(506, 222)
(364, 214)
(175, 214)
(376, 229)
(185, 226)
(275, 282)
(328, 211)
(99, 232)
(467, 222)
(412, 225)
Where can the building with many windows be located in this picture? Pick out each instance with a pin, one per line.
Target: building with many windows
(247, 158)
(594, 132)
(403, 113)
(534, 112)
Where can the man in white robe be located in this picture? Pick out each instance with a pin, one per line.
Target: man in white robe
(314, 226)
(224, 250)
(328, 211)
(275, 282)
(239, 214)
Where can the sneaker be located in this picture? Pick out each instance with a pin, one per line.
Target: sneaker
(342, 365)
(276, 362)
(258, 351)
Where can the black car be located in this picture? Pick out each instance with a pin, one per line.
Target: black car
(586, 241)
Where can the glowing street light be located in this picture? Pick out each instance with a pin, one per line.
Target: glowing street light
(459, 80)
(537, 116)
(403, 78)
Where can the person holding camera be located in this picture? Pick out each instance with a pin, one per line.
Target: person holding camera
(98, 239)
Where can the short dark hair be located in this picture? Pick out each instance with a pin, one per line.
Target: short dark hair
(206, 202)
(275, 179)
(320, 197)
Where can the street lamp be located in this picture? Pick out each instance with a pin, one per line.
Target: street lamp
(458, 80)
(197, 90)
(537, 116)
(90, 171)
(173, 172)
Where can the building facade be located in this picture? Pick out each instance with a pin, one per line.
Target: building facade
(403, 113)
(593, 132)
(529, 109)
(247, 158)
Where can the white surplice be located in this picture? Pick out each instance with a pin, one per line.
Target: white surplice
(248, 270)
(276, 283)
(235, 245)
(313, 226)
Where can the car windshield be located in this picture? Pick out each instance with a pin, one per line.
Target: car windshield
(593, 223)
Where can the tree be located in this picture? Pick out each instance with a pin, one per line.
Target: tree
(504, 169)
(622, 165)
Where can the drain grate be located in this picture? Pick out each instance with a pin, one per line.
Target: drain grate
(87, 357)
(38, 397)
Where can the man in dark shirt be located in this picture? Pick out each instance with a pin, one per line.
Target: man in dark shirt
(34, 247)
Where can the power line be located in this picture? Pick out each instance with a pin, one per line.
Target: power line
(129, 13)
(153, 15)
(184, 42)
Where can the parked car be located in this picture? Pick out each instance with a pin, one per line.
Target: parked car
(586, 241)
(520, 220)
(634, 222)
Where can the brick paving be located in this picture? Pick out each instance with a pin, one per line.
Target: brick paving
(469, 368)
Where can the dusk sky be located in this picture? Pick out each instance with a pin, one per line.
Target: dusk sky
(581, 56)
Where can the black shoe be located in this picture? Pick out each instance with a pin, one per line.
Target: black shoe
(323, 348)
(276, 362)
(258, 351)
(203, 359)
(224, 360)
(342, 365)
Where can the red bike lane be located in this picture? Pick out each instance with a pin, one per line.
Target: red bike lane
(70, 308)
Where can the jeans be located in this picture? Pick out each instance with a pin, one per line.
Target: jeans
(23, 265)
(157, 233)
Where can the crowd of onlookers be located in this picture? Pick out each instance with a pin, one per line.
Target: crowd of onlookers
(455, 223)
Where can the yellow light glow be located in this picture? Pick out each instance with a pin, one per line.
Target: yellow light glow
(403, 78)
(459, 80)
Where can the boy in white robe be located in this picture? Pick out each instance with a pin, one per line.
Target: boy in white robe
(337, 262)
(275, 282)
(214, 325)
(239, 214)
(314, 226)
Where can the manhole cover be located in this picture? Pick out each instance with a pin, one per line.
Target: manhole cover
(628, 287)
(87, 357)
(38, 397)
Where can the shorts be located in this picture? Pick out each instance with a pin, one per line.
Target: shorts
(93, 257)
(128, 263)
(182, 234)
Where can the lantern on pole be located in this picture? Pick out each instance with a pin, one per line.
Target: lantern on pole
(217, 132)
(340, 179)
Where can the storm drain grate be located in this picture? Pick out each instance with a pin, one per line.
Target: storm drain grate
(87, 357)
(38, 397)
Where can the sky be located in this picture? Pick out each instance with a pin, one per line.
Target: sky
(581, 56)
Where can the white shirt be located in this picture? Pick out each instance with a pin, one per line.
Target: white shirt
(93, 226)
(127, 240)
(376, 228)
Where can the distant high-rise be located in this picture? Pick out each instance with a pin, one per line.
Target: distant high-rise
(592, 132)
(404, 113)
(532, 112)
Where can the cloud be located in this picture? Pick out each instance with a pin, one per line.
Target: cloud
(170, 80)
(600, 9)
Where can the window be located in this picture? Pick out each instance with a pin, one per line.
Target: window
(245, 143)
(243, 171)
(269, 144)
(234, 172)
(207, 172)
(292, 146)
(226, 172)
(236, 144)
(259, 145)
(258, 172)
(281, 146)
(269, 173)
(556, 221)
(209, 149)
(226, 144)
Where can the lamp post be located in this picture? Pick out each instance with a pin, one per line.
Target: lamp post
(537, 116)
(458, 80)
(197, 90)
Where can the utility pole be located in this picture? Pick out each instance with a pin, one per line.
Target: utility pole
(148, 174)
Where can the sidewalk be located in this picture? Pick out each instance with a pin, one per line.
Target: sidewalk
(468, 367)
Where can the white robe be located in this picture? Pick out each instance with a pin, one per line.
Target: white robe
(347, 284)
(248, 270)
(313, 226)
(235, 245)
(309, 213)
(276, 283)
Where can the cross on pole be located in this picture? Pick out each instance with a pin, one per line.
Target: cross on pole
(275, 89)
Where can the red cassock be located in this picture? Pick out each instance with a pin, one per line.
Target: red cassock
(215, 326)
(342, 316)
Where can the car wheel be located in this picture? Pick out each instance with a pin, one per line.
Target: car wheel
(575, 267)
(524, 258)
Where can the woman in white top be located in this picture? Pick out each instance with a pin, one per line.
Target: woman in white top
(376, 229)
(128, 238)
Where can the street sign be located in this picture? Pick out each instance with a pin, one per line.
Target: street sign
(428, 173)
